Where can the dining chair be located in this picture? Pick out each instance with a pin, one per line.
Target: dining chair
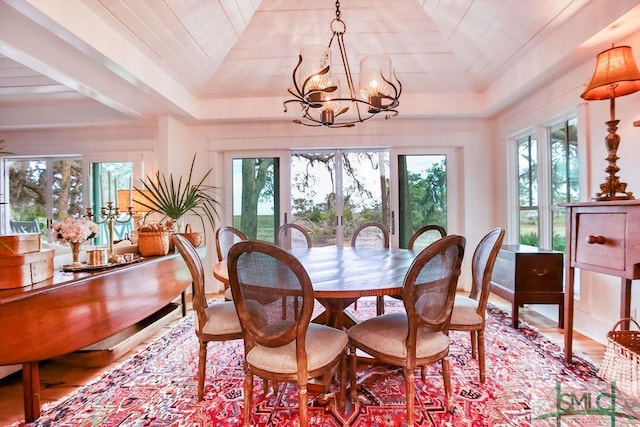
(290, 349)
(24, 226)
(469, 313)
(371, 234)
(425, 236)
(215, 322)
(227, 236)
(418, 336)
(293, 236)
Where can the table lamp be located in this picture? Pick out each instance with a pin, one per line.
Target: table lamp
(616, 74)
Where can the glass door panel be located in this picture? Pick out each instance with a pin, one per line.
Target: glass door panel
(110, 185)
(256, 196)
(314, 201)
(422, 193)
(365, 190)
(335, 191)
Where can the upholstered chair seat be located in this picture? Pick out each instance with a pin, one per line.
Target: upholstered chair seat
(466, 311)
(323, 345)
(386, 334)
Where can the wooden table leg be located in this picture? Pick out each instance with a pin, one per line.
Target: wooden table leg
(335, 315)
(31, 391)
(568, 316)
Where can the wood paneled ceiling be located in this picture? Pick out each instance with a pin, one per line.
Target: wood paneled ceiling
(92, 62)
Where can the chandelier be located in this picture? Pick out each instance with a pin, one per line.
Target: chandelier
(319, 94)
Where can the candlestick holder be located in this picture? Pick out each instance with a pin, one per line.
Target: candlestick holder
(109, 215)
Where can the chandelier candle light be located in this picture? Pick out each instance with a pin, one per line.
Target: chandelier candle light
(318, 91)
(616, 74)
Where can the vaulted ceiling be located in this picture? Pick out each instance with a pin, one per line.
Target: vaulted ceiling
(92, 62)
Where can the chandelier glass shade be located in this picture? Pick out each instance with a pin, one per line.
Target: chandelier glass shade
(325, 102)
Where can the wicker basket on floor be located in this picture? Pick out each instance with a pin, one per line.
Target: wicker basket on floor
(621, 361)
(153, 243)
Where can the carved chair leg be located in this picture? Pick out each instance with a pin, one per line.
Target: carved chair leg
(248, 398)
(481, 359)
(303, 405)
(352, 356)
(410, 390)
(343, 382)
(446, 378)
(202, 368)
(474, 344)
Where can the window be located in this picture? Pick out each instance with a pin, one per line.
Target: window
(528, 190)
(44, 189)
(547, 178)
(564, 177)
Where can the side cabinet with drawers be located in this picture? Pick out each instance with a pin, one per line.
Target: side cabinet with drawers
(529, 275)
(603, 237)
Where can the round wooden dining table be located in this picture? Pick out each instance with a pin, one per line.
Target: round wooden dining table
(341, 275)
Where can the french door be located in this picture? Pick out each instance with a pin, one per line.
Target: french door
(331, 192)
(334, 191)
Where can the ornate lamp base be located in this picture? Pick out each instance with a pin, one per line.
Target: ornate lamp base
(612, 188)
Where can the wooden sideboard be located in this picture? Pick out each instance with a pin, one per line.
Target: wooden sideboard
(603, 237)
(71, 311)
(529, 275)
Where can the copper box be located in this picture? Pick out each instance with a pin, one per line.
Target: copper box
(26, 269)
(16, 244)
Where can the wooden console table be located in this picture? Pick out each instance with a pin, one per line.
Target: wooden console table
(529, 275)
(74, 310)
(603, 237)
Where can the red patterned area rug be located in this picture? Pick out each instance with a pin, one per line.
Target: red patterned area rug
(528, 384)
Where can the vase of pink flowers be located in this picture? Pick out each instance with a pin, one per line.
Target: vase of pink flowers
(75, 231)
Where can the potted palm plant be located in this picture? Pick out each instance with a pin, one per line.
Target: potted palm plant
(174, 198)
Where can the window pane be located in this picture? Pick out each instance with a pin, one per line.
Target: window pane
(45, 189)
(28, 192)
(529, 227)
(559, 229)
(574, 189)
(528, 171)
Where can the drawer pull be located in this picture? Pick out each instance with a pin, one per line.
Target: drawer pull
(591, 239)
(535, 271)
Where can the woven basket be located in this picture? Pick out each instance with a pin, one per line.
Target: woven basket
(194, 238)
(621, 361)
(153, 243)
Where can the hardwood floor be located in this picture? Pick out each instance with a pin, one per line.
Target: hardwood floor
(58, 379)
